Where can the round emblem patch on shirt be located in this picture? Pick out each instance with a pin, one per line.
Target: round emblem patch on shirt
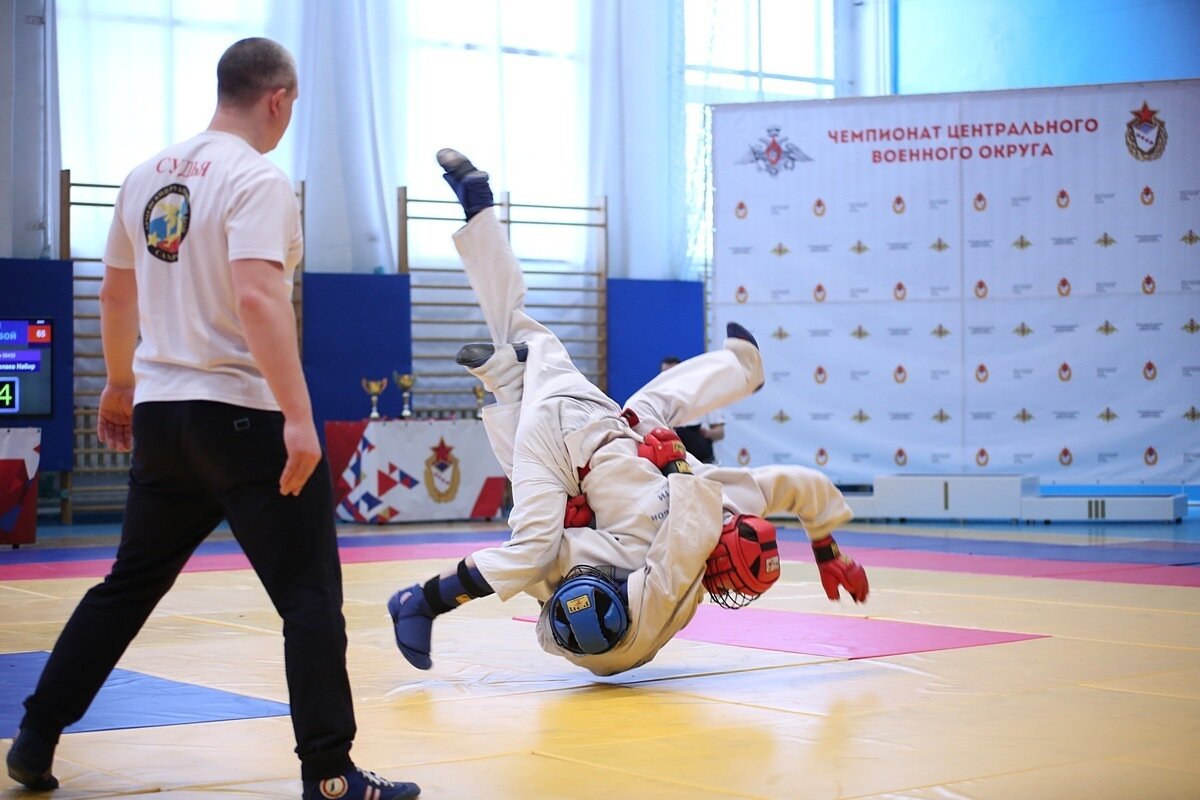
(165, 221)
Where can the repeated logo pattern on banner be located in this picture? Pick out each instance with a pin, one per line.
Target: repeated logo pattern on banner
(1003, 282)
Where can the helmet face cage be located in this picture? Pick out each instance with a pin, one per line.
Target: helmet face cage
(743, 565)
(587, 614)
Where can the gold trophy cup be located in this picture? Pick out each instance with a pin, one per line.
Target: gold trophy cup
(478, 391)
(405, 382)
(373, 390)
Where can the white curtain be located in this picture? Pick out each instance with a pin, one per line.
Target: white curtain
(637, 134)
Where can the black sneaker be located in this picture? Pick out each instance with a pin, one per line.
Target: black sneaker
(470, 185)
(359, 784)
(29, 762)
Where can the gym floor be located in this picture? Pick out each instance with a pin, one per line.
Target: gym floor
(991, 661)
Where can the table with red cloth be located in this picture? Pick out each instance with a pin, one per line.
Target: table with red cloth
(413, 470)
(20, 453)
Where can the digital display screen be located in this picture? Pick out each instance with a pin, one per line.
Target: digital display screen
(26, 368)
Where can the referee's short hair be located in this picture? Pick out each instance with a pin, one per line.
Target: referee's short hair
(251, 67)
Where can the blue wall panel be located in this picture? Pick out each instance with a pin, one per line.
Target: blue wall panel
(43, 290)
(956, 46)
(646, 321)
(355, 326)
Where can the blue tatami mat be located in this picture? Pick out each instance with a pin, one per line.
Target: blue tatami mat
(129, 699)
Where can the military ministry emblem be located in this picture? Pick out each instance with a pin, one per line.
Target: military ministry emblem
(442, 474)
(774, 153)
(165, 221)
(1145, 134)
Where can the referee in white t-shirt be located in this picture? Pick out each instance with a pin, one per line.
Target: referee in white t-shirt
(214, 404)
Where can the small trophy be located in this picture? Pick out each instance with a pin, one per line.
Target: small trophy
(373, 390)
(405, 382)
(478, 390)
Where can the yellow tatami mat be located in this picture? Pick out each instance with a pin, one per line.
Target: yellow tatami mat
(1105, 705)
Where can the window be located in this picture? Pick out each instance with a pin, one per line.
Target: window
(745, 51)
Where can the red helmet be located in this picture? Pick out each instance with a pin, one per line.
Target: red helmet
(744, 563)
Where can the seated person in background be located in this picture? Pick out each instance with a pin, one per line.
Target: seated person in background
(698, 437)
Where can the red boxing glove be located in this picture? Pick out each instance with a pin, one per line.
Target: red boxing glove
(665, 451)
(579, 513)
(838, 569)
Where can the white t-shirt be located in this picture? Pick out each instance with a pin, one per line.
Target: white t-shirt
(180, 219)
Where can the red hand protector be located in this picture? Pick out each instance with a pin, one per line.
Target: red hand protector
(578, 513)
(838, 569)
(665, 451)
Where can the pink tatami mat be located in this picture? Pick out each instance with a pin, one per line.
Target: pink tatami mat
(1150, 574)
(829, 635)
(1145, 574)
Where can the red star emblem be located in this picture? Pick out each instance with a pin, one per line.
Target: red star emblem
(441, 451)
(1145, 115)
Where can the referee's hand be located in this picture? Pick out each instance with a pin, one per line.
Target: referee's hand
(114, 420)
(304, 453)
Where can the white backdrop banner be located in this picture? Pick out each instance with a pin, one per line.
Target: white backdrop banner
(993, 282)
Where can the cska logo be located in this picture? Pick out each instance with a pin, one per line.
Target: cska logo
(901, 457)
(1062, 199)
(743, 457)
(442, 474)
(1064, 457)
(1145, 134)
(819, 207)
(981, 289)
(1148, 285)
(1149, 372)
(981, 373)
(1147, 196)
(900, 291)
(980, 202)
(820, 375)
(741, 211)
(1064, 287)
(900, 374)
(898, 205)
(819, 293)
(1150, 457)
(982, 458)
(822, 457)
(741, 295)
(1064, 372)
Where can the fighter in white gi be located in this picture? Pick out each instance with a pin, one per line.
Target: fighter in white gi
(559, 437)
